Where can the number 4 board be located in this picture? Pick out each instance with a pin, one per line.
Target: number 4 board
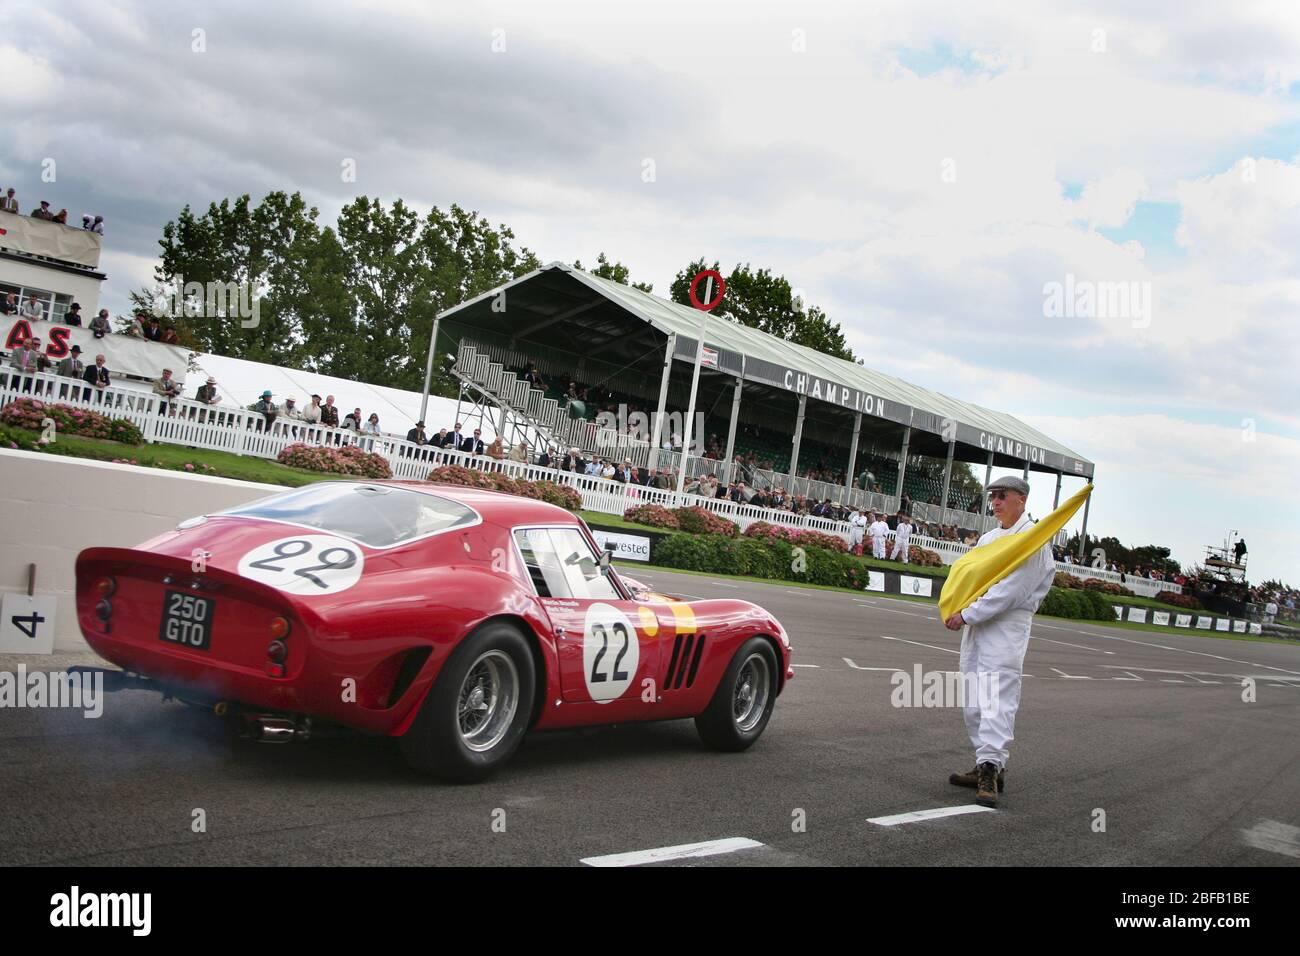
(27, 624)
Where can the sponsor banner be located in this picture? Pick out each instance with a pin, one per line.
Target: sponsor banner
(875, 581)
(39, 237)
(1160, 617)
(629, 547)
(912, 585)
(709, 357)
(1203, 623)
(1221, 624)
(1256, 629)
(1137, 615)
(1119, 613)
(1239, 627)
(123, 354)
(1183, 620)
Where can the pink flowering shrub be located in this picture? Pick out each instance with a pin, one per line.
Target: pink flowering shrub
(804, 537)
(70, 420)
(655, 516)
(347, 460)
(548, 491)
(697, 520)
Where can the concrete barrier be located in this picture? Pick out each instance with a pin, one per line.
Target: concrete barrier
(54, 506)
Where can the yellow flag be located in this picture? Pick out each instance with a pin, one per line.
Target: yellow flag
(980, 568)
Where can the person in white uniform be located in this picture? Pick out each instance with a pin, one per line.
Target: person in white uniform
(857, 528)
(879, 532)
(902, 535)
(993, 644)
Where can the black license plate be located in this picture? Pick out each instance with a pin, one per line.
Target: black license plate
(187, 620)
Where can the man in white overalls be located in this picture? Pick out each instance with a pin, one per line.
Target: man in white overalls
(902, 535)
(857, 528)
(879, 532)
(994, 642)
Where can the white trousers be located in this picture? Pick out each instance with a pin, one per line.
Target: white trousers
(878, 547)
(995, 652)
(901, 546)
(855, 537)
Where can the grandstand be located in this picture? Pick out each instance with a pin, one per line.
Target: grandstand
(788, 405)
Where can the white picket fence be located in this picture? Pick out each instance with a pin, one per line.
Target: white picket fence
(239, 431)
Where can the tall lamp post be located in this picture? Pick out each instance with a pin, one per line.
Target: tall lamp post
(705, 307)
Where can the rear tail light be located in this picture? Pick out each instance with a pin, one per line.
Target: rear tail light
(279, 628)
(105, 587)
(104, 609)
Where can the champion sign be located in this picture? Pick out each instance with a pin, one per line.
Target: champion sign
(819, 388)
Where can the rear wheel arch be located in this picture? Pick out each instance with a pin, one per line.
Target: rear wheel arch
(539, 657)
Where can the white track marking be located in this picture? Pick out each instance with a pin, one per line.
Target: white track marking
(1131, 676)
(723, 584)
(1166, 680)
(1180, 650)
(805, 665)
(918, 815)
(663, 853)
(1084, 647)
(890, 610)
(1274, 837)
(946, 650)
(1069, 676)
(859, 667)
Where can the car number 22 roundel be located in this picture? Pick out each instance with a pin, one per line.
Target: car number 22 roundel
(611, 652)
(305, 564)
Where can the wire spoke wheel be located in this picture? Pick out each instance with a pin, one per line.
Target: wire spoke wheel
(487, 701)
(752, 689)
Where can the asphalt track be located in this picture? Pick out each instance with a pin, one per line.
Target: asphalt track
(1150, 729)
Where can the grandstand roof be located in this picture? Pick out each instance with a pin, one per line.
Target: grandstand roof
(760, 357)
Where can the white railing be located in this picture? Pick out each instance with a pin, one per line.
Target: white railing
(1140, 586)
(243, 432)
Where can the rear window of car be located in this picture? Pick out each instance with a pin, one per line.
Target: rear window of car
(376, 515)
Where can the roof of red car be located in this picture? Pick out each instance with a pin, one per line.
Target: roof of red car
(494, 506)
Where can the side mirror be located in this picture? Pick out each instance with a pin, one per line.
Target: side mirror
(605, 558)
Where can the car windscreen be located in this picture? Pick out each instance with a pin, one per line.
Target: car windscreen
(376, 515)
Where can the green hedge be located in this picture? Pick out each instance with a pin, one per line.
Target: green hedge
(716, 554)
(1082, 605)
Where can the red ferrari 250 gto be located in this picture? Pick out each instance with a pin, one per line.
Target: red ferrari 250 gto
(455, 619)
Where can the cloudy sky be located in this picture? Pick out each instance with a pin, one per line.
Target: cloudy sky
(924, 171)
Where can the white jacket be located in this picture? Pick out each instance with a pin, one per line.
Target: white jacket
(1010, 604)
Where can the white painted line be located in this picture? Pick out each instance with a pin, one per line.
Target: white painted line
(1082, 647)
(890, 610)
(1131, 676)
(683, 852)
(805, 665)
(1274, 837)
(1166, 680)
(946, 650)
(723, 584)
(1181, 650)
(1069, 676)
(859, 667)
(917, 815)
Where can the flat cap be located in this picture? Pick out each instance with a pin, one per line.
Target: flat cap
(1010, 483)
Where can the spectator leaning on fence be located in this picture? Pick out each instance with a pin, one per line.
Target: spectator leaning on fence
(99, 325)
(266, 408)
(10, 202)
(33, 310)
(72, 366)
(329, 414)
(207, 392)
(311, 414)
(73, 315)
(97, 375)
(166, 387)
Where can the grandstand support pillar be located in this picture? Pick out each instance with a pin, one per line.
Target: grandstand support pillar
(731, 429)
(988, 477)
(798, 436)
(1083, 535)
(1026, 475)
(947, 480)
(428, 369)
(853, 452)
(657, 429)
(1056, 501)
(902, 466)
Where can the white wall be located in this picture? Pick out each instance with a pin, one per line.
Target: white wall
(52, 507)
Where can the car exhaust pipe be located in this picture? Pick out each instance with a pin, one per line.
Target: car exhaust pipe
(277, 730)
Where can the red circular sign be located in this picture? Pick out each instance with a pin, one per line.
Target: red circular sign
(722, 288)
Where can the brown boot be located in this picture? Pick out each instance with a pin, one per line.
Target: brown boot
(986, 791)
(971, 778)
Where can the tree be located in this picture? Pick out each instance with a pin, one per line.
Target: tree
(245, 253)
(615, 271)
(762, 300)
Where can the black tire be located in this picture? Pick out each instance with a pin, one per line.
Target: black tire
(731, 723)
(443, 740)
